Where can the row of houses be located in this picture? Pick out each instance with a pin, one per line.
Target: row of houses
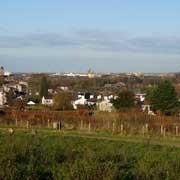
(18, 88)
(101, 102)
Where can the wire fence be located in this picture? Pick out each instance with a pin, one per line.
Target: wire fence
(127, 123)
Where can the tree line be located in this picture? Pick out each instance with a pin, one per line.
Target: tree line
(162, 98)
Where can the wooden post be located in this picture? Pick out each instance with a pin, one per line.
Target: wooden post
(164, 132)
(16, 122)
(143, 130)
(81, 127)
(48, 123)
(147, 128)
(113, 127)
(89, 127)
(161, 129)
(59, 126)
(108, 125)
(122, 128)
(27, 124)
(177, 130)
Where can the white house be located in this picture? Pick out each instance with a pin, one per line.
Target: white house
(37, 94)
(3, 99)
(19, 87)
(141, 96)
(148, 108)
(105, 105)
(47, 102)
(80, 101)
(99, 97)
(110, 96)
(106, 98)
(6, 88)
(64, 88)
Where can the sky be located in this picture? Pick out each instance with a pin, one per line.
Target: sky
(104, 35)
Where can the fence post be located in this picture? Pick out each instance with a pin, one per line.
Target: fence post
(27, 124)
(81, 127)
(164, 132)
(161, 129)
(48, 123)
(108, 125)
(113, 127)
(16, 122)
(59, 125)
(143, 130)
(177, 130)
(147, 128)
(89, 127)
(122, 128)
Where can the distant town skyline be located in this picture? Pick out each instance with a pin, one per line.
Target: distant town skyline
(106, 36)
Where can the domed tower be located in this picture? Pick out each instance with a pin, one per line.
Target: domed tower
(2, 71)
(90, 74)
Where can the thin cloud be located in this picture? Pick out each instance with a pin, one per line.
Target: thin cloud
(36, 40)
(94, 40)
(119, 41)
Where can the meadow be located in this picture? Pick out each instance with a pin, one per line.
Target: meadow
(71, 155)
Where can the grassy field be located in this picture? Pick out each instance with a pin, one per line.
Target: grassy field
(80, 156)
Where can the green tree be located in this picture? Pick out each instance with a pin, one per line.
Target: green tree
(125, 100)
(43, 87)
(62, 101)
(164, 98)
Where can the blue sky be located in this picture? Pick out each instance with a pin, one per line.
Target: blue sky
(107, 36)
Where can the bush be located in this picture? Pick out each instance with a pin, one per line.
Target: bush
(56, 157)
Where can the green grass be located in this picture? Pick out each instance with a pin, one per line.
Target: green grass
(80, 156)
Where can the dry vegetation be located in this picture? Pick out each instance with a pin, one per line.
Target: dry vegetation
(116, 122)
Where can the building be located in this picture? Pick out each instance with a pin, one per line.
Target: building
(90, 74)
(141, 96)
(64, 88)
(3, 72)
(81, 101)
(47, 102)
(147, 108)
(3, 99)
(105, 105)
